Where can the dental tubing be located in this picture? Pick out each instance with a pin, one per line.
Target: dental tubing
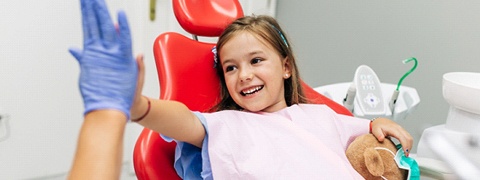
(407, 73)
(396, 92)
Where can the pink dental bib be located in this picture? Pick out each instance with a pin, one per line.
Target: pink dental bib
(298, 142)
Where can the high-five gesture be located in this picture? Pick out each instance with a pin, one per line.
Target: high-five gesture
(108, 79)
(108, 70)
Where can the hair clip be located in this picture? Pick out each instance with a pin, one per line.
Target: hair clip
(215, 56)
(281, 35)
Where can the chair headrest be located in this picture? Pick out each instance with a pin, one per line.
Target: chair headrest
(206, 17)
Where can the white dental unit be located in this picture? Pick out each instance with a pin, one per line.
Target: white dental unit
(368, 98)
(447, 151)
(452, 150)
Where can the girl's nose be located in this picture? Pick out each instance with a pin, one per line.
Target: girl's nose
(246, 75)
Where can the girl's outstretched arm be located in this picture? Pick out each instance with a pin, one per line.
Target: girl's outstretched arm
(174, 120)
(383, 127)
(169, 118)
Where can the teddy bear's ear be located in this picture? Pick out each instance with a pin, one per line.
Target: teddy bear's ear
(374, 162)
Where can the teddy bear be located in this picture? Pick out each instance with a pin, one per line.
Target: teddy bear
(373, 159)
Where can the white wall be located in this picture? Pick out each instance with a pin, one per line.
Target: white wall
(332, 38)
(38, 77)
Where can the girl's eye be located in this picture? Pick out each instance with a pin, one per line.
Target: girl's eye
(230, 68)
(256, 60)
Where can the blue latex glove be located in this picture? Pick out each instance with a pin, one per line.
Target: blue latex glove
(108, 76)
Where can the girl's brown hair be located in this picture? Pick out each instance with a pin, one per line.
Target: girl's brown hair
(266, 29)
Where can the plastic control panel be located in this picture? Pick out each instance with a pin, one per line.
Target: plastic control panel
(369, 93)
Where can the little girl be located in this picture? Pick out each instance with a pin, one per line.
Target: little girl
(263, 128)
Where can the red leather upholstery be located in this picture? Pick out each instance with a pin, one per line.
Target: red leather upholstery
(316, 98)
(185, 71)
(206, 17)
(186, 74)
(153, 157)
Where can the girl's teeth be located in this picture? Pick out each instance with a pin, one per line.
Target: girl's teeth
(250, 91)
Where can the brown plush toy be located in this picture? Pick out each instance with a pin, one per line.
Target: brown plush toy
(371, 159)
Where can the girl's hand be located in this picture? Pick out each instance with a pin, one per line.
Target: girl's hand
(139, 103)
(383, 127)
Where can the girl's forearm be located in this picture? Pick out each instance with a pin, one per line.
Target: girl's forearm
(172, 119)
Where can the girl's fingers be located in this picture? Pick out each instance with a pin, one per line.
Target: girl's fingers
(384, 128)
(404, 137)
(141, 73)
(378, 133)
(140, 78)
(407, 142)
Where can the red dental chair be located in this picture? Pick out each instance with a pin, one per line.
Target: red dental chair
(186, 74)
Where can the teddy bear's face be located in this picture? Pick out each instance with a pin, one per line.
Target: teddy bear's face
(380, 162)
(373, 159)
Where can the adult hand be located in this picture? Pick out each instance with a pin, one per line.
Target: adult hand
(108, 76)
(383, 127)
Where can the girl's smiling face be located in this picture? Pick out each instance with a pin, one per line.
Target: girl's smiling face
(254, 73)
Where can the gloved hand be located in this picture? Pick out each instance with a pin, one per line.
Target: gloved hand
(109, 72)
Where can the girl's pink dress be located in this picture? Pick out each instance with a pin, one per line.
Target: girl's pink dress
(304, 141)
